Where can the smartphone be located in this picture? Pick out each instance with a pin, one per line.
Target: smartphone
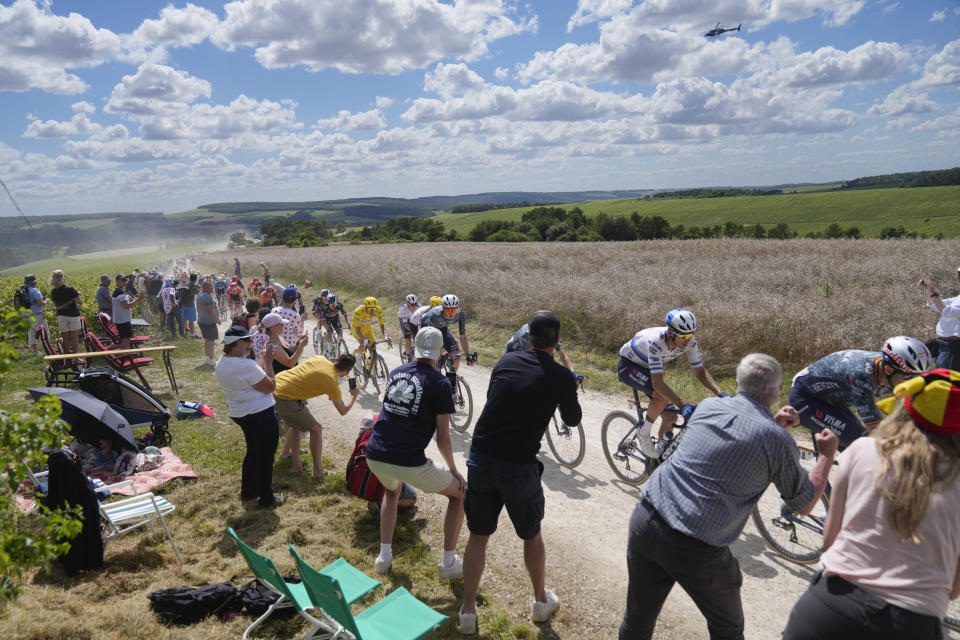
(352, 383)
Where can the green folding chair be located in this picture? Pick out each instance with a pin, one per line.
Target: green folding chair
(356, 585)
(398, 616)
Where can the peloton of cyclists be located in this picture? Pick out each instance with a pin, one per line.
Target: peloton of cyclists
(363, 317)
(825, 392)
(448, 313)
(640, 367)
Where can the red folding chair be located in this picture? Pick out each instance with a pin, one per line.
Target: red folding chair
(110, 330)
(57, 372)
(123, 363)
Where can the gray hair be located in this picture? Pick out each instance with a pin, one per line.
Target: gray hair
(759, 376)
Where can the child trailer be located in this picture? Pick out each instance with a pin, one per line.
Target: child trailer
(131, 400)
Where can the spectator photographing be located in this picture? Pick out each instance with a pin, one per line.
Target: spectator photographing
(948, 327)
(122, 313)
(187, 296)
(66, 301)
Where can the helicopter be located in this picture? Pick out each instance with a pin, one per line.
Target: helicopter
(717, 30)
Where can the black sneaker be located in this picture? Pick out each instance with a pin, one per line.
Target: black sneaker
(277, 501)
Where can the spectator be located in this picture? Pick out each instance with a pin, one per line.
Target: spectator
(236, 269)
(187, 293)
(266, 273)
(252, 313)
(105, 297)
(153, 284)
(121, 312)
(293, 329)
(948, 327)
(313, 377)
(248, 388)
(66, 301)
(525, 389)
(131, 287)
(698, 501)
(208, 317)
(267, 297)
(171, 310)
(417, 403)
(37, 301)
(892, 534)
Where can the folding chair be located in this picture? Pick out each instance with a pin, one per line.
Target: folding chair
(56, 372)
(357, 585)
(123, 364)
(398, 616)
(121, 516)
(110, 330)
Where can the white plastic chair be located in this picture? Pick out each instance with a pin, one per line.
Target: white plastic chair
(121, 516)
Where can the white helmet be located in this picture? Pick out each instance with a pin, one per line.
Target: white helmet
(907, 355)
(681, 321)
(450, 301)
(411, 298)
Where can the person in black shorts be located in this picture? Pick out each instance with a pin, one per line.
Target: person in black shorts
(525, 389)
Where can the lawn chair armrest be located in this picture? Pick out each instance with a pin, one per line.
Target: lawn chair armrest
(111, 487)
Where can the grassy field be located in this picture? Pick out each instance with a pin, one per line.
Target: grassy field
(928, 211)
(100, 263)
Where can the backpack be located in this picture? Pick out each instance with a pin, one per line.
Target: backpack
(21, 299)
(188, 605)
(153, 285)
(190, 410)
(361, 482)
(257, 598)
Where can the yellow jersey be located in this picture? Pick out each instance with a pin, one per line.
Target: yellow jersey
(362, 317)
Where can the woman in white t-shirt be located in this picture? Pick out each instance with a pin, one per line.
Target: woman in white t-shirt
(893, 528)
(248, 388)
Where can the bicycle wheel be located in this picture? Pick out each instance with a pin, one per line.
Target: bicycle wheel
(341, 347)
(795, 537)
(359, 372)
(566, 442)
(952, 619)
(317, 340)
(462, 406)
(621, 449)
(379, 373)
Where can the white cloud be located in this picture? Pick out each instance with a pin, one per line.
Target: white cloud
(869, 62)
(942, 68)
(376, 36)
(384, 102)
(346, 121)
(449, 80)
(901, 100)
(233, 122)
(890, 8)
(175, 27)
(154, 90)
(501, 73)
(80, 124)
(939, 16)
(593, 10)
(37, 48)
(948, 122)
(83, 107)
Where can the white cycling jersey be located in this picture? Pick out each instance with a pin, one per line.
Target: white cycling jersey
(416, 315)
(648, 348)
(404, 312)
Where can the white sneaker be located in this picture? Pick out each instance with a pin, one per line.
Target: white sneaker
(468, 622)
(646, 446)
(452, 572)
(543, 611)
(381, 566)
(211, 362)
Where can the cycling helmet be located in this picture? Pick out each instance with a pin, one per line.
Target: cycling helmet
(681, 321)
(435, 301)
(450, 301)
(332, 298)
(369, 302)
(324, 293)
(411, 298)
(907, 355)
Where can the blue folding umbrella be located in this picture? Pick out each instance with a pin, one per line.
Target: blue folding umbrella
(90, 418)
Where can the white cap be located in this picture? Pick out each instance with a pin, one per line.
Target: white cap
(428, 343)
(272, 320)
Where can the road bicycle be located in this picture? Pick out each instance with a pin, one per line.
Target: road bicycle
(222, 304)
(620, 432)
(370, 365)
(462, 398)
(566, 441)
(330, 350)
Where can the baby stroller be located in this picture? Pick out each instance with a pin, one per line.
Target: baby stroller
(133, 401)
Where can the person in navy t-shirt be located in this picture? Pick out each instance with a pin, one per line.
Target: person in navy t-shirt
(417, 403)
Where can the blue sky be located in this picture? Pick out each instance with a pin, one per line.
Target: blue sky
(116, 105)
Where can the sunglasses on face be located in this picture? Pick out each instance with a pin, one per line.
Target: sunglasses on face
(683, 337)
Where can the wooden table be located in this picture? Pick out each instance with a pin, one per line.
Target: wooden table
(163, 350)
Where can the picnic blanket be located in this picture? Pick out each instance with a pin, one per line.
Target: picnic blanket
(172, 467)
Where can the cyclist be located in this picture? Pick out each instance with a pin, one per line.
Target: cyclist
(363, 317)
(318, 303)
(824, 393)
(640, 367)
(235, 297)
(417, 315)
(521, 342)
(329, 316)
(406, 310)
(448, 313)
(220, 288)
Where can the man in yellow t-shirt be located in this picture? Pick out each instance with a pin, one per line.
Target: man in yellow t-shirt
(313, 377)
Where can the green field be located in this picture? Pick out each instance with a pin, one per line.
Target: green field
(924, 210)
(101, 263)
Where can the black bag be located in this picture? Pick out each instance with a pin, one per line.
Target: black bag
(188, 605)
(257, 598)
(21, 298)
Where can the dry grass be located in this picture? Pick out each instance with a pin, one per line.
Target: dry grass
(797, 299)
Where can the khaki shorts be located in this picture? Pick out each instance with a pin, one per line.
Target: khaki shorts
(429, 478)
(296, 414)
(68, 323)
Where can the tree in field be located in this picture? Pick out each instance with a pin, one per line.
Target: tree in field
(238, 238)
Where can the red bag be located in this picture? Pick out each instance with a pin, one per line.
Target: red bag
(361, 482)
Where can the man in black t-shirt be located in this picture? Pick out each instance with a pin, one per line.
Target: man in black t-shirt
(418, 402)
(525, 389)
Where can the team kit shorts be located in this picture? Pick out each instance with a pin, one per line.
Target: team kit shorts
(634, 376)
(816, 416)
(333, 324)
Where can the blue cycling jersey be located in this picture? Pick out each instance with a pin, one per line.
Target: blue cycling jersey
(435, 318)
(845, 378)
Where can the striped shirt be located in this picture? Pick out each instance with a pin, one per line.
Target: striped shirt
(731, 452)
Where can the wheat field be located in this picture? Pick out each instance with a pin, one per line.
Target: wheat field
(794, 299)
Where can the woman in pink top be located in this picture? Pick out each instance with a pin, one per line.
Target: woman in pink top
(893, 528)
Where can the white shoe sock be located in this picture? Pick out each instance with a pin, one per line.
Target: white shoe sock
(448, 558)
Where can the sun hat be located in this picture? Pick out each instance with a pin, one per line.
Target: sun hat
(932, 400)
(104, 278)
(428, 343)
(29, 279)
(272, 320)
(235, 333)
